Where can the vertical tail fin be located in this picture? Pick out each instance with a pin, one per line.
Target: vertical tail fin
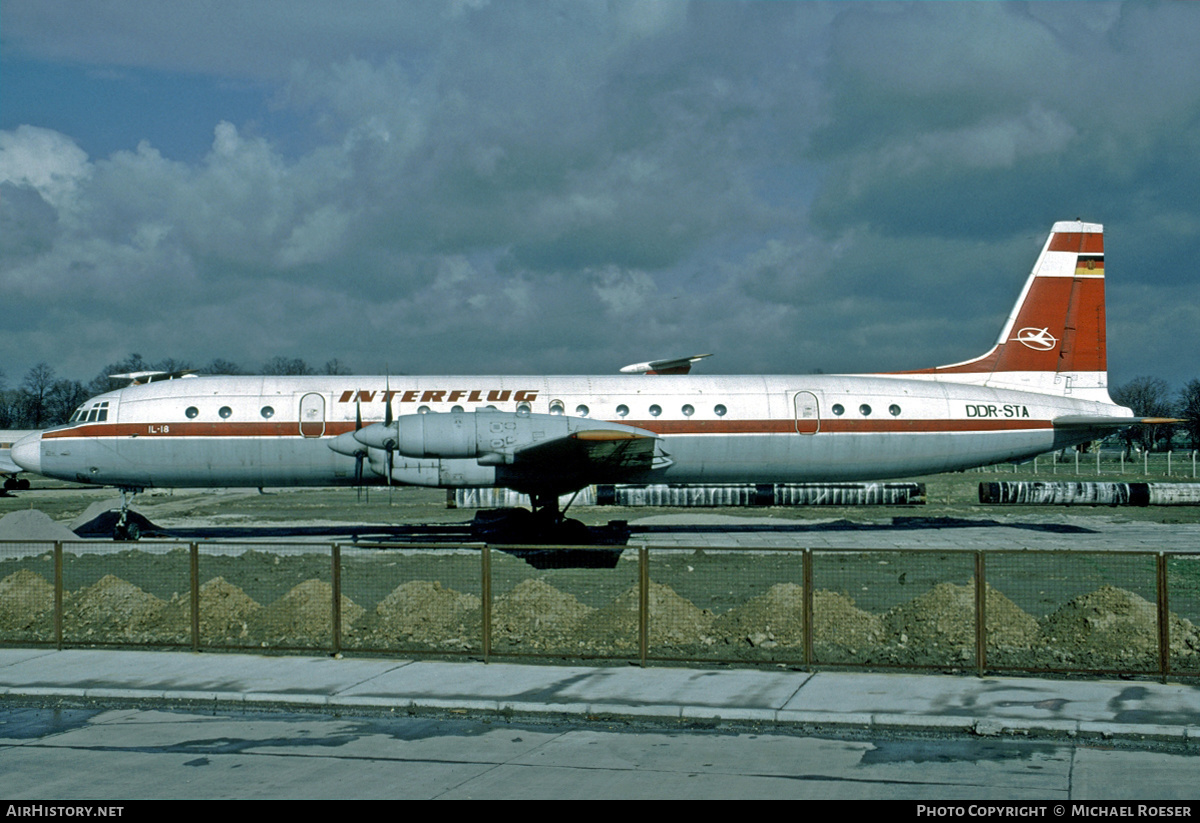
(1054, 339)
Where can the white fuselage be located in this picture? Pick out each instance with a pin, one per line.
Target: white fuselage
(275, 431)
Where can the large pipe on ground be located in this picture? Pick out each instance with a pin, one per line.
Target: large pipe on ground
(1039, 493)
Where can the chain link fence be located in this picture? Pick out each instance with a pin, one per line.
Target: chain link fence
(972, 611)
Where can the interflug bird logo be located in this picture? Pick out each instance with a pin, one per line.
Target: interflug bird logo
(1037, 339)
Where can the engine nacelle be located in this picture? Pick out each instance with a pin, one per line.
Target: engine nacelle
(442, 473)
(489, 436)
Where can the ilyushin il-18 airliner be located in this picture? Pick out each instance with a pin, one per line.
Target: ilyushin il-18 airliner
(1043, 386)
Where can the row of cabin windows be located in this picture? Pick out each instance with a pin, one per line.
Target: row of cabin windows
(864, 410)
(225, 412)
(556, 407)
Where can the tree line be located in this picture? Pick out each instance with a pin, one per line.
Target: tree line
(1152, 397)
(42, 399)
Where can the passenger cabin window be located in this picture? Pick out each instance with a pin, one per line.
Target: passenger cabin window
(622, 410)
(191, 412)
(582, 410)
(720, 409)
(225, 411)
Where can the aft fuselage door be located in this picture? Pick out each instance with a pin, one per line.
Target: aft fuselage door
(808, 412)
(312, 415)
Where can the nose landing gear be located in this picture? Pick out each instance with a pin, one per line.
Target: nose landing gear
(126, 529)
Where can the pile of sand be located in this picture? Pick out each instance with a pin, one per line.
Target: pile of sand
(26, 606)
(673, 622)
(421, 611)
(225, 612)
(775, 618)
(113, 610)
(31, 524)
(535, 616)
(302, 617)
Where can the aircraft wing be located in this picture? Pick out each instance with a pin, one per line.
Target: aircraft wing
(598, 455)
(600, 450)
(1084, 421)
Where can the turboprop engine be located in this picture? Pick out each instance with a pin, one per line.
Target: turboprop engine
(459, 448)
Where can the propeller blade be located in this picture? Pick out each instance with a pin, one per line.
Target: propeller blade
(358, 473)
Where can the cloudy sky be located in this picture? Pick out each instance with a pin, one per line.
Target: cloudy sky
(543, 187)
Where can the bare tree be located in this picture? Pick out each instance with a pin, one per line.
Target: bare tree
(1189, 410)
(284, 366)
(1148, 397)
(219, 366)
(33, 396)
(336, 366)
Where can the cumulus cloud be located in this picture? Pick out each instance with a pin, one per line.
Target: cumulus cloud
(573, 186)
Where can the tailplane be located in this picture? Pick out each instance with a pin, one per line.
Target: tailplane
(1054, 339)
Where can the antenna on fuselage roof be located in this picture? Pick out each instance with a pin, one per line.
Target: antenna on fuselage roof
(672, 365)
(137, 378)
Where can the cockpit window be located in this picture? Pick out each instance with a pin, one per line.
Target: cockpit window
(90, 413)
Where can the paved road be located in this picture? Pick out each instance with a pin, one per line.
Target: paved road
(115, 724)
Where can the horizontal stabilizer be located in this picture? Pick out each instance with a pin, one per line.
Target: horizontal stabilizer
(1083, 421)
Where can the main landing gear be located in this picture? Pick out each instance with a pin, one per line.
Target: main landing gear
(543, 525)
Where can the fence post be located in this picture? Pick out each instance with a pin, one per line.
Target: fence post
(335, 559)
(58, 595)
(194, 585)
(485, 591)
(807, 571)
(1164, 623)
(1168, 462)
(643, 604)
(980, 615)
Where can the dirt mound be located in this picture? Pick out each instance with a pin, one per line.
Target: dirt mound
(1114, 628)
(775, 618)
(842, 632)
(942, 622)
(423, 612)
(301, 617)
(225, 612)
(26, 606)
(115, 610)
(673, 622)
(31, 524)
(537, 616)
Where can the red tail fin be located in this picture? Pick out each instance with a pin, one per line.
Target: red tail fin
(1054, 339)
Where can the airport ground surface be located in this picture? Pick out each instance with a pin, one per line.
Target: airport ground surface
(100, 724)
(88, 723)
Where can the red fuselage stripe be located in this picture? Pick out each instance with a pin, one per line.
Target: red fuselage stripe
(290, 429)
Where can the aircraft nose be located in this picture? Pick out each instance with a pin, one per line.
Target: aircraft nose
(27, 453)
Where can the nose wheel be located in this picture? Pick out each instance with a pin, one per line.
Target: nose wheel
(126, 529)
